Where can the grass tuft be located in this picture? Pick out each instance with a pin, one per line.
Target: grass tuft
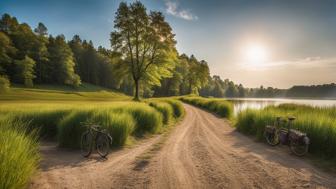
(220, 107)
(165, 109)
(19, 155)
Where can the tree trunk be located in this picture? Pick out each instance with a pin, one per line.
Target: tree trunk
(136, 95)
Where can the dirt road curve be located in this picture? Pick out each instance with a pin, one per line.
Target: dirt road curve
(203, 151)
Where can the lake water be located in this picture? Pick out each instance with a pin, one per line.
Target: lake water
(258, 103)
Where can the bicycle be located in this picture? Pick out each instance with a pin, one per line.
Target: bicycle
(95, 135)
(297, 141)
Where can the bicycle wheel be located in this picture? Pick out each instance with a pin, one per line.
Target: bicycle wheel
(103, 144)
(86, 143)
(272, 138)
(298, 148)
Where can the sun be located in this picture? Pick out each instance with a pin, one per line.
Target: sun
(255, 54)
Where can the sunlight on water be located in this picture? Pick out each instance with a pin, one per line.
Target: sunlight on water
(258, 103)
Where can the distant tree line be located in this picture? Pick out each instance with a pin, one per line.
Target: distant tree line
(324, 91)
(216, 87)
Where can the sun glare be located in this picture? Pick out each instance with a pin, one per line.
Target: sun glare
(256, 54)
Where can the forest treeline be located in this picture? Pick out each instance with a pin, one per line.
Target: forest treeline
(142, 60)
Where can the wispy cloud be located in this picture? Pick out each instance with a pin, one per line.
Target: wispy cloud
(172, 8)
(308, 62)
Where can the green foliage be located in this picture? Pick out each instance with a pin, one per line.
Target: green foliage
(220, 107)
(146, 41)
(318, 123)
(62, 62)
(19, 155)
(189, 76)
(25, 71)
(6, 51)
(4, 84)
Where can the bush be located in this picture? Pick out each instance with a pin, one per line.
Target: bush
(4, 84)
(220, 107)
(19, 155)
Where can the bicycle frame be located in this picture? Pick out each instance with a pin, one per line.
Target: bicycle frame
(96, 132)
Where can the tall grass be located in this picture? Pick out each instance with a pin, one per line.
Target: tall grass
(71, 127)
(147, 118)
(119, 125)
(177, 107)
(19, 155)
(165, 109)
(319, 124)
(122, 119)
(44, 120)
(220, 107)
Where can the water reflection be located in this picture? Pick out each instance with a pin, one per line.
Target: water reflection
(258, 103)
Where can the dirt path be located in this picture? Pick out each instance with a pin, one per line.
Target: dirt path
(203, 151)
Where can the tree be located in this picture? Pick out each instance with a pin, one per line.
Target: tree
(25, 71)
(76, 45)
(40, 52)
(7, 51)
(61, 62)
(146, 41)
(198, 74)
(241, 91)
(41, 29)
(232, 90)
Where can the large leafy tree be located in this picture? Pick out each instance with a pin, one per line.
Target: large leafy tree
(147, 43)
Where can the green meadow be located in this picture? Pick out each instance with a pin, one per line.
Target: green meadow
(31, 115)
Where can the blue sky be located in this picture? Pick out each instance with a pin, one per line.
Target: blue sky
(297, 36)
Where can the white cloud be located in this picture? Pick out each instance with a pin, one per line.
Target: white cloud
(173, 9)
